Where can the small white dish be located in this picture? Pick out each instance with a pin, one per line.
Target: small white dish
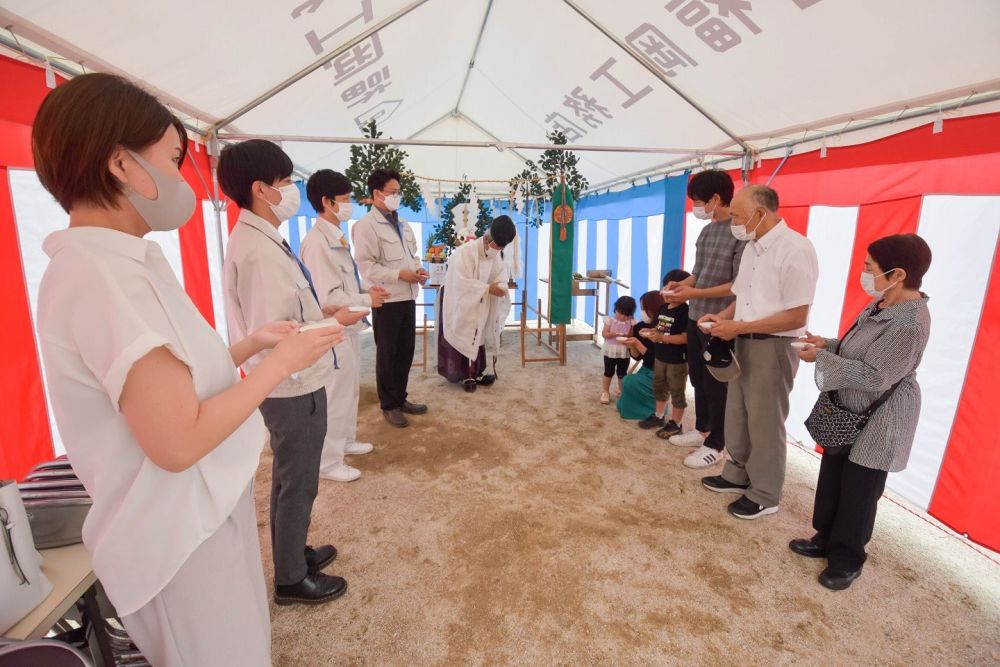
(322, 324)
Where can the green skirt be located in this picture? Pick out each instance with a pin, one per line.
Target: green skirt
(636, 401)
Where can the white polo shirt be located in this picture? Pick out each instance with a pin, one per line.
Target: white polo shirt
(106, 300)
(262, 282)
(777, 272)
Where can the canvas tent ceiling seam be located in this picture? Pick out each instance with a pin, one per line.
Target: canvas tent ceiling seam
(475, 52)
(316, 64)
(500, 145)
(52, 43)
(476, 125)
(56, 45)
(850, 126)
(654, 70)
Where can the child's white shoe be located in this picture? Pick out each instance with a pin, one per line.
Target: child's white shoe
(605, 398)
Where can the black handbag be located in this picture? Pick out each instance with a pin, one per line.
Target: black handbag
(834, 427)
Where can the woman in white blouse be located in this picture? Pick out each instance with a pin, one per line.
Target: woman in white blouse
(156, 421)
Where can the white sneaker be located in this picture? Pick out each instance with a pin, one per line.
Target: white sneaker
(605, 398)
(703, 457)
(342, 473)
(354, 448)
(690, 439)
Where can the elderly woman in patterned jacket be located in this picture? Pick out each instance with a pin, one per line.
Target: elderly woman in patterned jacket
(882, 348)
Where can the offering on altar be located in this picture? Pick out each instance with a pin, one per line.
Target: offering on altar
(437, 254)
(437, 258)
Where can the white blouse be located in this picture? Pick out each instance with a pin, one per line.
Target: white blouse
(107, 299)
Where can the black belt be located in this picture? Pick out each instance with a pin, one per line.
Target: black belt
(756, 336)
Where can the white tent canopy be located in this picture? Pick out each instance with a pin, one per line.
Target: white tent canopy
(701, 75)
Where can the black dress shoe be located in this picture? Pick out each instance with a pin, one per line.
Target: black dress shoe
(469, 385)
(314, 589)
(320, 557)
(838, 580)
(396, 418)
(413, 408)
(486, 379)
(807, 548)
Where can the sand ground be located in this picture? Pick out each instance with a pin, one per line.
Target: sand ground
(528, 524)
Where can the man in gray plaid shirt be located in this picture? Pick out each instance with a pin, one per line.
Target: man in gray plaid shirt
(717, 261)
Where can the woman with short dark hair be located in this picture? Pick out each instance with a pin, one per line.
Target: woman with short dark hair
(636, 400)
(880, 353)
(157, 424)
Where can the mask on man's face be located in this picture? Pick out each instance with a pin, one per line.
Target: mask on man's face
(702, 212)
(344, 210)
(393, 201)
(288, 204)
(741, 233)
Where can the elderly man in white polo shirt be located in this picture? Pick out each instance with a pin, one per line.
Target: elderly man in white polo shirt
(774, 290)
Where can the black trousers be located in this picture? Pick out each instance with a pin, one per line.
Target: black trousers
(844, 513)
(394, 326)
(709, 393)
(617, 367)
(298, 427)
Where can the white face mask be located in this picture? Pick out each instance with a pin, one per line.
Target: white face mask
(741, 233)
(700, 213)
(868, 284)
(643, 316)
(289, 203)
(344, 211)
(392, 202)
(174, 201)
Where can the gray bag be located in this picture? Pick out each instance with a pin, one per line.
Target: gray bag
(22, 584)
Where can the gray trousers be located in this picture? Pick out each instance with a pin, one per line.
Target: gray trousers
(298, 427)
(756, 409)
(214, 610)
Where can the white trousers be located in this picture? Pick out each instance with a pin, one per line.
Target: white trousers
(215, 610)
(342, 391)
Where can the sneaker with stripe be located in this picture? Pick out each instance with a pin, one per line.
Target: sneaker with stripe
(703, 457)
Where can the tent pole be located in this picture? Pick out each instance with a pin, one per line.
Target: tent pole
(475, 52)
(676, 166)
(490, 135)
(499, 145)
(655, 71)
(788, 154)
(213, 156)
(306, 71)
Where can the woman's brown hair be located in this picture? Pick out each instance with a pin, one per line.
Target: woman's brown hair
(79, 126)
(903, 251)
(651, 302)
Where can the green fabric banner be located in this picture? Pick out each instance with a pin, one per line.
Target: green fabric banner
(561, 257)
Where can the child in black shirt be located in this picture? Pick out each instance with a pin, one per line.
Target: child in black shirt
(670, 371)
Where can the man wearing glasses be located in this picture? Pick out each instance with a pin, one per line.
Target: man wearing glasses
(387, 255)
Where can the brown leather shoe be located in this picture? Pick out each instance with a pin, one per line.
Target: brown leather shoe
(413, 408)
(396, 418)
